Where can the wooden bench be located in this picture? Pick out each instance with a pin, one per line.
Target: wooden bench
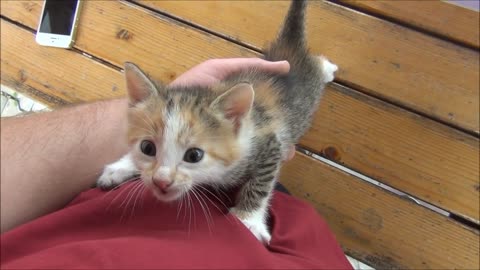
(403, 111)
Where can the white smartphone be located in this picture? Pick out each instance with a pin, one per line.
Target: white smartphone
(58, 22)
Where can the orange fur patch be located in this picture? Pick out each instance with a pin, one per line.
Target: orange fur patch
(145, 122)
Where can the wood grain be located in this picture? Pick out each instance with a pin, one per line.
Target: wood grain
(119, 32)
(374, 138)
(377, 227)
(55, 76)
(408, 152)
(395, 63)
(444, 19)
(426, 74)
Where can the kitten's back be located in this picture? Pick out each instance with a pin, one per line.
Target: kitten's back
(300, 90)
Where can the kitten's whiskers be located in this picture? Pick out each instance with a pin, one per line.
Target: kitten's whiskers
(180, 204)
(224, 194)
(189, 212)
(143, 192)
(214, 204)
(118, 195)
(118, 186)
(138, 194)
(216, 197)
(129, 197)
(207, 215)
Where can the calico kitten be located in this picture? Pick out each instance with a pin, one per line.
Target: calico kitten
(234, 133)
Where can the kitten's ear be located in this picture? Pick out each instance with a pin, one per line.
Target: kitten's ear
(236, 103)
(139, 86)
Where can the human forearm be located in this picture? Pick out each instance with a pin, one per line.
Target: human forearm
(48, 158)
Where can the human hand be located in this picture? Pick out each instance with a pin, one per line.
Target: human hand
(214, 70)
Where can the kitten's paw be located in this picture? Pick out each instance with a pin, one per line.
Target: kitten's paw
(113, 176)
(328, 69)
(259, 229)
(254, 221)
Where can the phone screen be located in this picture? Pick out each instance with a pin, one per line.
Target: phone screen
(58, 16)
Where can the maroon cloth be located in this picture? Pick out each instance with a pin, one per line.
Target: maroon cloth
(91, 233)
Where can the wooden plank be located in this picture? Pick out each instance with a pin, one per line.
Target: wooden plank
(377, 227)
(384, 59)
(120, 32)
(54, 76)
(385, 64)
(353, 237)
(414, 154)
(368, 144)
(442, 18)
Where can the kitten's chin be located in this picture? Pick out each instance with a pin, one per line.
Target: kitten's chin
(172, 194)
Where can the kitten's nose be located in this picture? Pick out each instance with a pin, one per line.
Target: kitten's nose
(162, 184)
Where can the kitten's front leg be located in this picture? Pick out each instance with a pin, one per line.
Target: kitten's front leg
(118, 172)
(253, 198)
(255, 220)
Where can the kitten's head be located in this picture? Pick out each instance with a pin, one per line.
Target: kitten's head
(180, 138)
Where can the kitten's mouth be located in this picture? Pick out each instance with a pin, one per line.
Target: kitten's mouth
(168, 195)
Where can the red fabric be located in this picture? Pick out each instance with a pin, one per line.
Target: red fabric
(91, 233)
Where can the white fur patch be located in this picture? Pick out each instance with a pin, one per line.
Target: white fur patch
(117, 172)
(328, 69)
(257, 223)
(172, 152)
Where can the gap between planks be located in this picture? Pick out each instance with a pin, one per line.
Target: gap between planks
(361, 177)
(198, 27)
(359, 9)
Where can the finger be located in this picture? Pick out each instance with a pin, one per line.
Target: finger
(291, 153)
(214, 70)
(280, 67)
(194, 76)
(232, 65)
(198, 75)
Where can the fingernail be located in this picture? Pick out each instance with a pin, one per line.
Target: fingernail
(284, 65)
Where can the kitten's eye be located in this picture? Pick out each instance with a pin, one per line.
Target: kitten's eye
(148, 148)
(193, 155)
